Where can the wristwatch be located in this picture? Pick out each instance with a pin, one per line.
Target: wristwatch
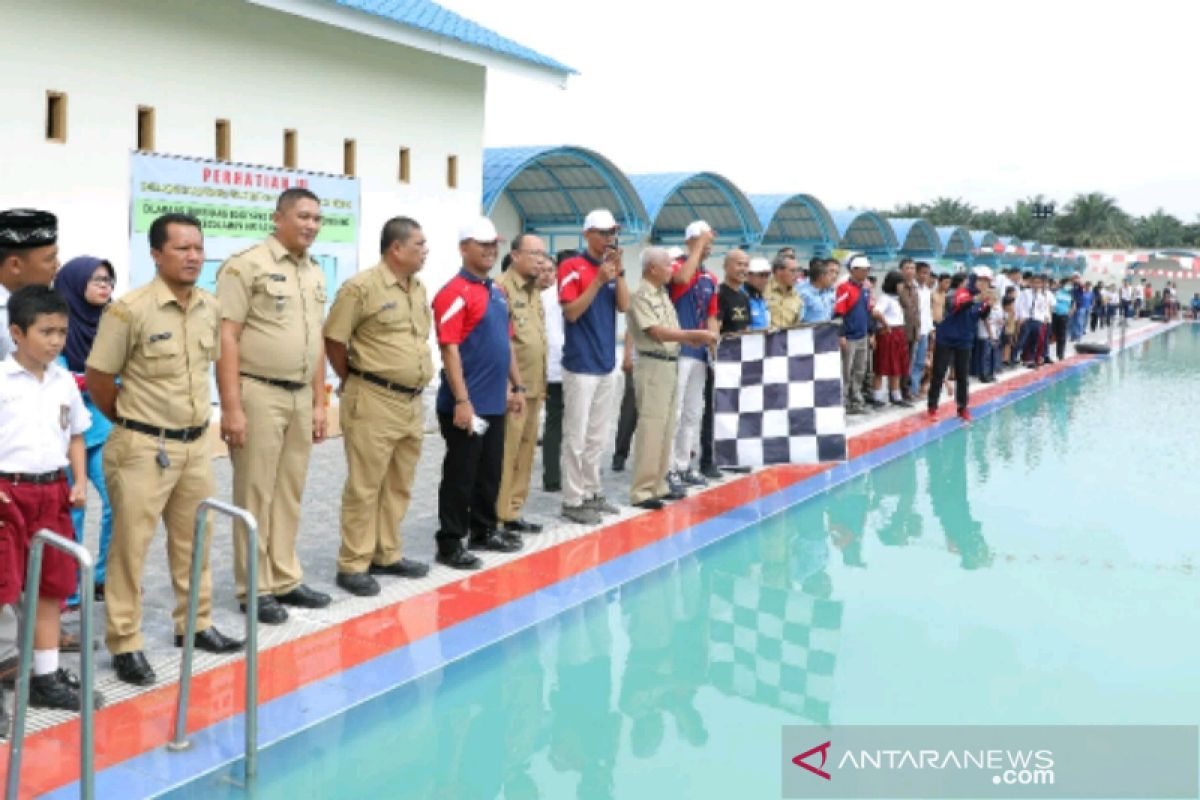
(518, 389)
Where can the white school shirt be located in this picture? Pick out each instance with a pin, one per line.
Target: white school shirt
(893, 312)
(925, 305)
(38, 418)
(1023, 308)
(6, 342)
(555, 335)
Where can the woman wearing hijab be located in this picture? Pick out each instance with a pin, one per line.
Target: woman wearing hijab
(86, 283)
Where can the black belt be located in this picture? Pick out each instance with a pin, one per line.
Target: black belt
(658, 356)
(291, 386)
(38, 477)
(176, 434)
(371, 377)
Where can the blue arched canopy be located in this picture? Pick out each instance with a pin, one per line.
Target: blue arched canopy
(865, 232)
(956, 242)
(916, 238)
(797, 220)
(1014, 252)
(1035, 259)
(674, 200)
(554, 188)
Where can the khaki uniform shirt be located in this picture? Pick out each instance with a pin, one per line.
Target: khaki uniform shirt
(384, 326)
(279, 301)
(784, 304)
(163, 354)
(652, 306)
(528, 318)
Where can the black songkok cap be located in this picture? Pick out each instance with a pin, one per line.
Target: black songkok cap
(26, 228)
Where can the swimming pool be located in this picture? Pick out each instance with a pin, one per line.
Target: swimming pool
(1036, 567)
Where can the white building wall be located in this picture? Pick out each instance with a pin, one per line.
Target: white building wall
(262, 70)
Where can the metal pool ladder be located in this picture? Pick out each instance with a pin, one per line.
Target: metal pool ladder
(33, 577)
(179, 740)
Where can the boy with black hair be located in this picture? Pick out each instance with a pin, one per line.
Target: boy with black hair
(42, 420)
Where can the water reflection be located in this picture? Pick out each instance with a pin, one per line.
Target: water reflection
(947, 463)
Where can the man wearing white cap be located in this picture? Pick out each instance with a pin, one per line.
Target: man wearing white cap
(758, 275)
(853, 304)
(480, 383)
(694, 293)
(591, 289)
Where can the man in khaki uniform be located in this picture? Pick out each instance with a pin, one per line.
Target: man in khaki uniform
(161, 340)
(519, 282)
(656, 338)
(271, 376)
(377, 338)
(783, 301)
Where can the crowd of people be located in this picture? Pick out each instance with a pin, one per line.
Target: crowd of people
(116, 392)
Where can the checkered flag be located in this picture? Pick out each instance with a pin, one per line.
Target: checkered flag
(777, 398)
(773, 645)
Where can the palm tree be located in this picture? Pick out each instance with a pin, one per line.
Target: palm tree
(1160, 229)
(949, 211)
(1095, 220)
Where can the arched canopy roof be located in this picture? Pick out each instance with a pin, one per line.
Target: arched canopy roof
(916, 237)
(673, 200)
(1034, 257)
(794, 219)
(865, 231)
(984, 240)
(1014, 251)
(956, 242)
(553, 188)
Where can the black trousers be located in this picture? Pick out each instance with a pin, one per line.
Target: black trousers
(1058, 323)
(470, 481)
(706, 422)
(942, 358)
(552, 439)
(627, 422)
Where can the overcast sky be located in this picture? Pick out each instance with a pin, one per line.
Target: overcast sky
(869, 104)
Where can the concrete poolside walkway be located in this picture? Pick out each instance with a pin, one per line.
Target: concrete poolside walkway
(318, 542)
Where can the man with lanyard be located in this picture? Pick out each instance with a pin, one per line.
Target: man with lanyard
(920, 350)
(853, 304)
(480, 383)
(817, 294)
(591, 289)
(757, 276)
(694, 293)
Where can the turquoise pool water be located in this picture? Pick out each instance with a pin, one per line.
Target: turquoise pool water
(1038, 567)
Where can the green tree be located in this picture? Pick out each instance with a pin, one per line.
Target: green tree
(949, 211)
(905, 211)
(1159, 229)
(1095, 220)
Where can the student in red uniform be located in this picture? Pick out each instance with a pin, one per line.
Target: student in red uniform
(480, 384)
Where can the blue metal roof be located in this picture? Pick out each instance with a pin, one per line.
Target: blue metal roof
(555, 187)
(957, 242)
(673, 200)
(430, 17)
(1034, 257)
(796, 219)
(984, 240)
(1013, 251)
(916, 237)
(865, 231)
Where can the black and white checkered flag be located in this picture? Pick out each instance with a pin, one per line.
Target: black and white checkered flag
(778, 398)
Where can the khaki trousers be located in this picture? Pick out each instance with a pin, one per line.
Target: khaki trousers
(520, 439)
(141, 493)
(268, 480)
(588, 411)
(382, 433)
(654, 383)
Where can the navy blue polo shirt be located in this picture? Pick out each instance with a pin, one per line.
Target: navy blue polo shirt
(695, 301)
(590, 342)
(472, 312)
(853, 303)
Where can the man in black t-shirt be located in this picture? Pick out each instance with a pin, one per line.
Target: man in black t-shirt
(733, 309)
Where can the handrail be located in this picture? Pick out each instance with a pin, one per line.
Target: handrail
(179, 741)
(33, 577)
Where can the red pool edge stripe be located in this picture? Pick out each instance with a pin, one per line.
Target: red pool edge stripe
(143, 723)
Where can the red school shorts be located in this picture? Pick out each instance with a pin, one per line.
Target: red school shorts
(31, 508)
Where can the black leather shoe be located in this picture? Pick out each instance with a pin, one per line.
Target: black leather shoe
(712, 472)
(211, 640)
(358, 583)
(304, 597)
(551, 487)
(522, 526)
(269, 610)
(652, 504)
(459, 559)
(496, 541)
(134, 668)
(677, 493)
(61, 690)
(404, 568)
(618, 463)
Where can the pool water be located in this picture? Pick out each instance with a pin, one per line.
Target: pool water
(1036, 567)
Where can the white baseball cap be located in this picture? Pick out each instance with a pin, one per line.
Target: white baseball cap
(675, 253)
(480, 229)
(859, 262)
(982, 272)
(759, 265)
(695, 229)
(600, 219)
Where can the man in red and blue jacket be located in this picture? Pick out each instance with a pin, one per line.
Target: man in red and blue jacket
(480, 384)
(852, 304)
(956, 337)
